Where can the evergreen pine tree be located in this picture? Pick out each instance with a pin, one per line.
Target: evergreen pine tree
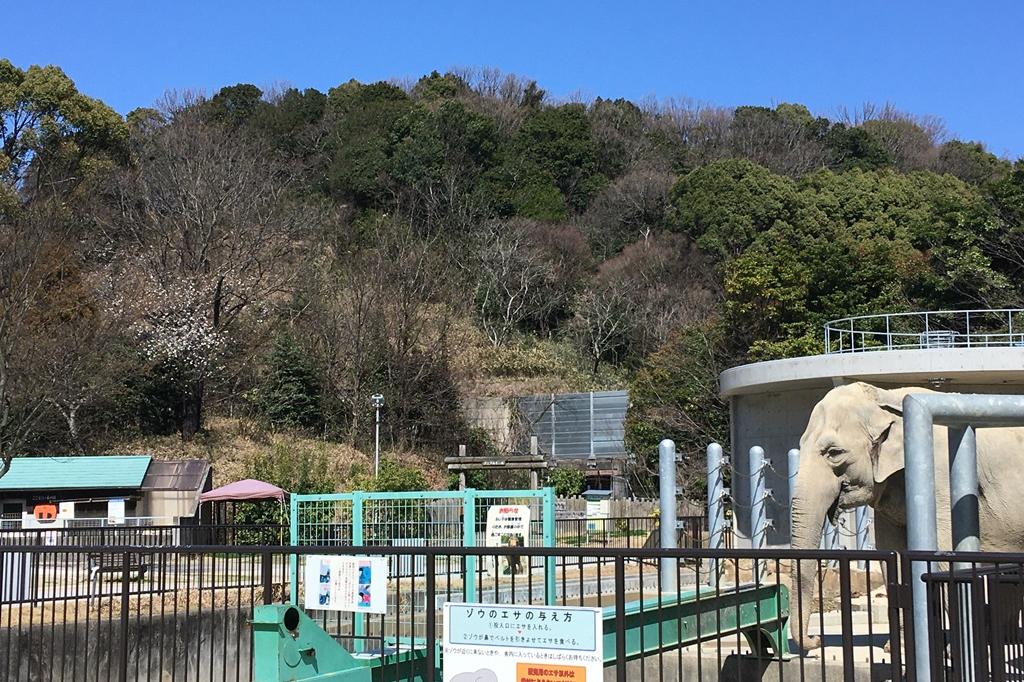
(290, 393)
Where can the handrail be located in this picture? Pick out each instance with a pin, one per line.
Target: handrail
(934, 329)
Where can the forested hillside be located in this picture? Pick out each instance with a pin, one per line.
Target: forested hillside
(274, 258)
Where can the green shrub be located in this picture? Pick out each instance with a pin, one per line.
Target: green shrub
(567, 481)
(394, 478)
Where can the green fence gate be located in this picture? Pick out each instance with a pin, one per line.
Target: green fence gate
(418, 519)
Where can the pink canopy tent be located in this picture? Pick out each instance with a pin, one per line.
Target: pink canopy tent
(248, 489)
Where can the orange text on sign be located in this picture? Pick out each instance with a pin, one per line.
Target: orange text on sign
(542, 672)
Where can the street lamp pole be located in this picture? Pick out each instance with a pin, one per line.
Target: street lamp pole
(377, 400)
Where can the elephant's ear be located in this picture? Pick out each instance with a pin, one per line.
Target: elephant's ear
(887, 447)
(885, 428)
(890, 401)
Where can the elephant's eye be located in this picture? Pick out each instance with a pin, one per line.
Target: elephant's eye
(834, 452)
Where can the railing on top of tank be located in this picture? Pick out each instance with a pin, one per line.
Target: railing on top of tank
(1002, 327)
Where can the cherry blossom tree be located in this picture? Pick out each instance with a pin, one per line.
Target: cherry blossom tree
(211, 227)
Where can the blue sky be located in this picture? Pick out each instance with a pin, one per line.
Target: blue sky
(961, 61)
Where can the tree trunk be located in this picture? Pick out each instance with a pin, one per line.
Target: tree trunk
(817, 490)
(192, 410)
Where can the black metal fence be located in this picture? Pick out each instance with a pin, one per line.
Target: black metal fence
(975, 604)
(625, 531)
(163, 613)
(150, 536)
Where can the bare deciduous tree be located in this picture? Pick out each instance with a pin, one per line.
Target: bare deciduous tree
(515, 279)
(506, 97)
(379, 320)
(605, 321)
(642, 296)
(911, 141)
(85, 359)
(34, 250)
(209, 228)
(630, 208)
(787, 139)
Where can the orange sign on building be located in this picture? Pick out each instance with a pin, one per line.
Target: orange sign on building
(45, 512)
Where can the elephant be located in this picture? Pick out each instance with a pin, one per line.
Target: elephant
(851, 454)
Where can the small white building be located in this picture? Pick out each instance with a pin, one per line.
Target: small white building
(50, 492)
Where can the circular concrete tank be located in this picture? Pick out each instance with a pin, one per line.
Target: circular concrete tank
(770, 402)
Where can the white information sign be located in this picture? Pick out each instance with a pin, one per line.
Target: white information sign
(341, 583)
(509, 643)
(115, 510)
(508, 525)
(597, 512)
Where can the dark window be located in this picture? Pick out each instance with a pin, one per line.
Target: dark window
(12, 509)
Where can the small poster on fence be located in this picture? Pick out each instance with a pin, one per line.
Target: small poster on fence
(508, 525)
(522, 643)
(341, 583)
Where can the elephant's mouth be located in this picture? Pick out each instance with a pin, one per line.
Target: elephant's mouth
(850, 496)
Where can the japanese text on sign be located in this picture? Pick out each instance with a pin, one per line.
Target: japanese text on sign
(502, 643)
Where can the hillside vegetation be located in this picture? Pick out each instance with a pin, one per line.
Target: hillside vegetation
(264, 262)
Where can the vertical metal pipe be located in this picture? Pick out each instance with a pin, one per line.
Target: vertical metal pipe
(757, 498)
(376, 449)
(716, 507)
(469, 540)
(922, 530)
(667, 490)
(963, 505)
(591, 427)
(549, 530)
(792, 468)
(963, 488)
(554, 449)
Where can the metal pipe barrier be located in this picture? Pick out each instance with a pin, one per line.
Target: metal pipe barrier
(965, 413)
(758, 495)
(668, 506)
(716, 506)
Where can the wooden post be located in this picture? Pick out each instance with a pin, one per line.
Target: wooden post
(462, 474)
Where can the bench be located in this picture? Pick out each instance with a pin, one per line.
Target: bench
(115, 563)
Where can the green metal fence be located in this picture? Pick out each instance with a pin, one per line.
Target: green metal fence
(418, 519)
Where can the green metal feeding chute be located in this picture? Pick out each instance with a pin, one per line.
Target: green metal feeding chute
(289, 645)
(759, 613)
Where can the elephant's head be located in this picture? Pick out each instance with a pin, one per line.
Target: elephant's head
(853, 443)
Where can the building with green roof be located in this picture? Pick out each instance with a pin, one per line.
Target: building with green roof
(101, 489)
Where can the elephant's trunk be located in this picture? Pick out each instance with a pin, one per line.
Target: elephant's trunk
(817, 490)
